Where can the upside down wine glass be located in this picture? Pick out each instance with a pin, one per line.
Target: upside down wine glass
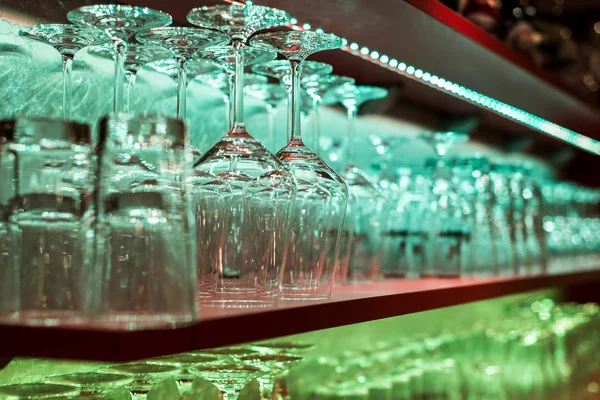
(250, 254)
(225, 57)
(136, 56)
(120, 22)
(321, 193)
(448, 234)
(67, 40)
(183, 43)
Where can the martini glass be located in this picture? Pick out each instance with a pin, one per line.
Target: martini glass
(363, 224)
(281, 69)
(136, 56)
(228, 375)
(271, 94)
(67, 40)
(120, 22)
(91, 383)
(322, 194)
(275, 365)
(317, 89)
(447, 235)
(37, 391)
(145, 375)
(225, 57)
(183, 43)
(263, 191)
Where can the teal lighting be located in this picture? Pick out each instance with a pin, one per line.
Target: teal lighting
(456, 90)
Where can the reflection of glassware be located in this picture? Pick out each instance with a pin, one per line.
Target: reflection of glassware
(322, 195)
(136, 56)
(363, 225)
(224, 56)
(37, 391)
(448, 230)
(145, 241)
(255, 244)
(120, 22)
(92, 383)
(275, 365)
(271, 94)
(228, 376)
(48, 163)
(183, 43)
(67, 40)
(144, 376)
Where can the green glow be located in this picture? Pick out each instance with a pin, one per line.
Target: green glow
(506, 110)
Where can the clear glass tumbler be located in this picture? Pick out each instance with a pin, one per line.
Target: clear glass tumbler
(47, 221)
(145, 237)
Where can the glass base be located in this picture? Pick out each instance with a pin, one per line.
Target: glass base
(44, 318)
(240, 299)
(134, 321)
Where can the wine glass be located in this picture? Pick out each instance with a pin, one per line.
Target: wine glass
(322, 194)
(136, 56)
(225, 57)
(271, 94)
(448, 237)
(317, 88)
(183, 42)
(67, 40)
(91, 383)
(145, 375)
(228, 375)
(255, 244)
(363, 226)
(275, 365)
(184, 361)
(120, 22)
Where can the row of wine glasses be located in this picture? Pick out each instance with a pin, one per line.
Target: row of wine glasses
(226, 369)
(534, 350)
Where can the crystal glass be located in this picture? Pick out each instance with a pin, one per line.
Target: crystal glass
(144, 376)
(183, 43)
(221, 81)
(121, 23)
(363, 225)
(49, 218)
(145, 240)
(275, 365)
(271, 94)
(449, 236)
(263, 191)
(37, 391)
(225, 57)
(67, 40)
(322, 194)
(136, 56)
(317, 88)
(228, 376)
(92, 383)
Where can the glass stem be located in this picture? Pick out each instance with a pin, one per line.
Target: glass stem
(238, 86)
(119, 72)
(350, 137)
(230, 101)
(230, 395)
(67, 70)
(181, 88)
(315, 121)
(295, 129)
(271, 111)
(267, 388)
(130, 76)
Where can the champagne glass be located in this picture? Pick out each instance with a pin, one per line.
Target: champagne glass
(225, 57)
(271, 94)
(255, 244)
(67, 40)
(317, 89)
(447, 234)
(136, 56)
(183, 43)
(280, 69)
(322, 194)
(228, 375)
(120, 22)
(363, 226)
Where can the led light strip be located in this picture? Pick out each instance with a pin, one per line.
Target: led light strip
(456, 90)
